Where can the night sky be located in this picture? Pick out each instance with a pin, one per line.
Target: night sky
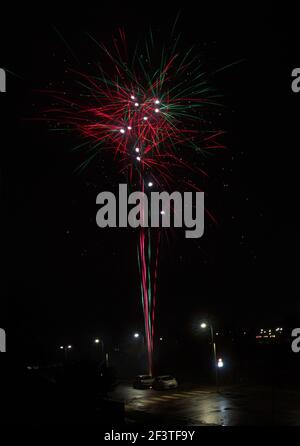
(66, 278)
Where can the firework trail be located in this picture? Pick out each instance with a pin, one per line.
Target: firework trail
(149, 112)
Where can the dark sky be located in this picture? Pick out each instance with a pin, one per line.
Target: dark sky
(64, 276)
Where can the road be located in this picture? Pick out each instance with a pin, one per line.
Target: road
(203, 406)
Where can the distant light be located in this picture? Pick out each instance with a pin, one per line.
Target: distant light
(97, 341)
(157, 102)
(136, 335)
(203, 325)
(145, 118)
(122, 131)
(163, 212)
(138, 158)
(157, 110)
(69, 347)
(132, 97)
(150, 184)
(217, 334)
(220, 363)
(129, 128)
(137, 149)
(61, 347)
(136, 104)
(160, 339)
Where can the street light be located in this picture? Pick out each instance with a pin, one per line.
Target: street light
(220, 363)
(100, 342)
(65, 349)
(216, 365)
(138, 336)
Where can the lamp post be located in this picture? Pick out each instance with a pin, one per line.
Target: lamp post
(204, 325)
(66, 349)
(138, 336)
(99, 341)
(141, 347)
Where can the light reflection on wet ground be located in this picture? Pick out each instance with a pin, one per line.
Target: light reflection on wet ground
(204, 406)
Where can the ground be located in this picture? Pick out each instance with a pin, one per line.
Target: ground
(204, 406)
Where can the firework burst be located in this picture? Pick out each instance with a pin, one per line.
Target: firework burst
(150, 113)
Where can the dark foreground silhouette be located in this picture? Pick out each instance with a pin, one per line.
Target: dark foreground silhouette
(66, 393)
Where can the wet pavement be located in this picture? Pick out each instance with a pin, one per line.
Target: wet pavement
(204, 406)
